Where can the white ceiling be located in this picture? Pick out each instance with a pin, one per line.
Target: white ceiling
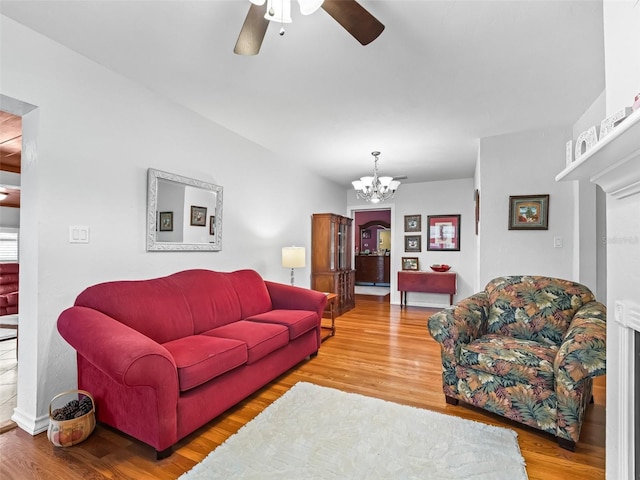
(442, 74)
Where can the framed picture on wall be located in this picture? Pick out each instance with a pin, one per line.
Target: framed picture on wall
(444, 232)
(198, 216)
(412, 243)
(409, 263)
(165, 222)
(412, 223)
(529, 212)
(366, 233)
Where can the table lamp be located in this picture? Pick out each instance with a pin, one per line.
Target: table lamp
(293, 257)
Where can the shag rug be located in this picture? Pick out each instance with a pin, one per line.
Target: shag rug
(367, 290)
(314, 432)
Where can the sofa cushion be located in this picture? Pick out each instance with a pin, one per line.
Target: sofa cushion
(514, 360)
(200, 358)
(261, 338)
(297, 321)
(534, 308)
(152, 307)
(212, 299)
(252, 292)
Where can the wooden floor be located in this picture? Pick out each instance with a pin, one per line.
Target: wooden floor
(379, 350)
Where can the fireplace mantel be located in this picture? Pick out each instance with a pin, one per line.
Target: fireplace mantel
(613, 163)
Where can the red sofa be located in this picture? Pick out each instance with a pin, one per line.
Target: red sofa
(164, 356)
(9, 274)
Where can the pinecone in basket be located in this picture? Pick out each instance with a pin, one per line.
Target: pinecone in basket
(73, 409)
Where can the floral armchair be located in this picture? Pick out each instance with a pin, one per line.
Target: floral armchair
(526, 348)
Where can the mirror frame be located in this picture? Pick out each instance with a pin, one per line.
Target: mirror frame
(153, 245)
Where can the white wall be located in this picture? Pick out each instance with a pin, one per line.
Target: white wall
(525, 163)
(431, 198)
(622, 74)
(589, 203)
(95, 135)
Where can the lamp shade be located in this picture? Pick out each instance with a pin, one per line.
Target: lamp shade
(293, 257)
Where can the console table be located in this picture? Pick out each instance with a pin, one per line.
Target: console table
(428, 282)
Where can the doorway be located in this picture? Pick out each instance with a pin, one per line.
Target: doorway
(372, 252)
(10, 170)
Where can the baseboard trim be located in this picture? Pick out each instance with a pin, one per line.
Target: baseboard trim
(29, 424)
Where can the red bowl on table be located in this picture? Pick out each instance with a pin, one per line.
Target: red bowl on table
(440, 268)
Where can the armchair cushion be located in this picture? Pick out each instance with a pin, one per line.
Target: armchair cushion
(534, 308)
(512, 360)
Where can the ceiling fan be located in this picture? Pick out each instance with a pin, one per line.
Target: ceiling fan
(363, 26)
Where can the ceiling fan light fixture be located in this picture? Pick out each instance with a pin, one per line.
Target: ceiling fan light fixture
(307, 7)
(375, 189)
(278, 11)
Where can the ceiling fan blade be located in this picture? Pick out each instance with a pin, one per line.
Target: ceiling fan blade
(253, 30)
(355, 19)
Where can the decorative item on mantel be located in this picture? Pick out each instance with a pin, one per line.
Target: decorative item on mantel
(589, 138)
(375, 189)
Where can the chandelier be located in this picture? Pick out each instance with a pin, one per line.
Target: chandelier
(375, 189)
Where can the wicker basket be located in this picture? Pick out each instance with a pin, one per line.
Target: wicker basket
(65, 433)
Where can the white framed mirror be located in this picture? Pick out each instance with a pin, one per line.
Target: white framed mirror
(183, 214)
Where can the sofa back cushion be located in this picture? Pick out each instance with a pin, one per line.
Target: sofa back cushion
(252, 292)
(211, 296)
(152, 307)
(534, 307)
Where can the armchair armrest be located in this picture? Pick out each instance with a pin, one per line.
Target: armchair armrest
(124, 354)
(287, 297)
(582, 353)
(461, 323)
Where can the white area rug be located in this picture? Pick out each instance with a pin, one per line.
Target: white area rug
(370, 290)
(314, 432)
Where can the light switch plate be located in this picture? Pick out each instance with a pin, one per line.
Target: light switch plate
(78, 234)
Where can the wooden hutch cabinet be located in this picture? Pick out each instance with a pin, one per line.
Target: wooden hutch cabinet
(331, 269)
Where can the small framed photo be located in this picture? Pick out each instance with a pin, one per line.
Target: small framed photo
(412, 223)
(165, 223)
(409, 263)
(529, 212)
(366, 233)
(198, 216)
(444, 232)
(212, 225)
(412, 243)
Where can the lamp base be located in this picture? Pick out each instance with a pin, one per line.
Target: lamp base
(292, 277)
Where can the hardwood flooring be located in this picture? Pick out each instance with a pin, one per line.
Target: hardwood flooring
(379, 350)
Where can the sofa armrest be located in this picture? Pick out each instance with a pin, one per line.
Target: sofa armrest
(461, 323)
(582, 353)
(124, 354)
(287, 297)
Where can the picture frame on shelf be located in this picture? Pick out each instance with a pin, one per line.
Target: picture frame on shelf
(412, 243)
(165, 221)
(444, 233)
(529, 212)
(413, 223)
(198, 216)
(409, 263)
